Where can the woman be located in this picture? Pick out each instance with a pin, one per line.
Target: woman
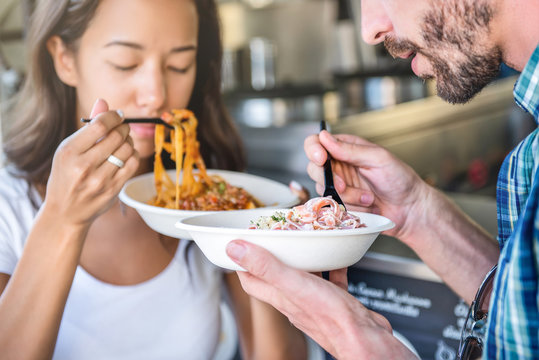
(81, 276)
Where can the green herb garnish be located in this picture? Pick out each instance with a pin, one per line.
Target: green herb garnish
(278, 216)
(221, 188)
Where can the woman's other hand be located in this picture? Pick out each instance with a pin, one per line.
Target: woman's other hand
(83, 184)
(299, 190)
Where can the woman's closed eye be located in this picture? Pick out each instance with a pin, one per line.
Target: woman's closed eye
(123, 67)
(179, 70)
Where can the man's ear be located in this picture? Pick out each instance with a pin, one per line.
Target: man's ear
(64, 60)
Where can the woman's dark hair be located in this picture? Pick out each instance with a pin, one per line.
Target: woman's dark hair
(45, 112)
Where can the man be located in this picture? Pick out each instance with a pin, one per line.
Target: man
(461, 44)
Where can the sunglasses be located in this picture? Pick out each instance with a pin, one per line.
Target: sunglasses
(473, 331)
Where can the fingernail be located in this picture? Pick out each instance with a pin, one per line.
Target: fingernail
(366, 198)
(120, 113)
(318, 156)
(236, 251)
(295, 185)
(92, 113)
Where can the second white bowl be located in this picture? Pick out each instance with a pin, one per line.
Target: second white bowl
(316, 250)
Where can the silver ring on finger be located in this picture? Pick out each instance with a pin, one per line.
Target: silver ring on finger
(115, 161)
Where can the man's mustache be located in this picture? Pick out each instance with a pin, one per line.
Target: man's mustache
(399, 47)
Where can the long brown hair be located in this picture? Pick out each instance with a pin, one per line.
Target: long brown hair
(45, 113)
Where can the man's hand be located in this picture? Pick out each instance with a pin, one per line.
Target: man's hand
(322, 309)
(368, 178)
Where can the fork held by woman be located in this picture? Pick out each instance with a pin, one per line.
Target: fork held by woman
(140, 120)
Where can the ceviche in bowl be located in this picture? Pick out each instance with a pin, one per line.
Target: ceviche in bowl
(317, 236)
(322, 213)
(140, 193)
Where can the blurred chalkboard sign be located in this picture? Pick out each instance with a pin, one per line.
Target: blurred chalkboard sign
(418, 305)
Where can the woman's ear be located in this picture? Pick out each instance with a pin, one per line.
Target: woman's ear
(64, 60)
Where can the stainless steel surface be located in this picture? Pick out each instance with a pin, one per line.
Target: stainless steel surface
(312, 43)
(291, 44)
(358, 95)
(442, 142)
(300, 30)
(276, 110)
(261, 69)
(345, 52)
(446, 144)
(278, 148)
(250, 67)
(231, 79)
(429, 113)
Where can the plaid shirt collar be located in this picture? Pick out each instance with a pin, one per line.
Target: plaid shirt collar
(526, 89)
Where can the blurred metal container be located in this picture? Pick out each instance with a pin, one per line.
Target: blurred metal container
(250, 67)
(358, 95)
(386, 91)
(259, 66)
(263, 112)
(345, 52)
(230, 70)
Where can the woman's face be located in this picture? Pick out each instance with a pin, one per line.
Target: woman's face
(139, 56)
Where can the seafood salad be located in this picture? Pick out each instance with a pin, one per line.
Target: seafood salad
(320, 213)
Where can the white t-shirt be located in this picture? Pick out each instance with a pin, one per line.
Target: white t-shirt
(174, 315)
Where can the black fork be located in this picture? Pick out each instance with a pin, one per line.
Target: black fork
(328, 175)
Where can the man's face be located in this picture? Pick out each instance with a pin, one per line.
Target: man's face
(452, 47)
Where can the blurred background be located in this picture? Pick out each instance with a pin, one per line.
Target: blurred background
(287, 65)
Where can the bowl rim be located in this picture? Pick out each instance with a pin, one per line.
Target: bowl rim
(182, 225)
(139, 205)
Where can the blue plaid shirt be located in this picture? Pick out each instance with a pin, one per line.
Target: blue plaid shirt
(513, 320)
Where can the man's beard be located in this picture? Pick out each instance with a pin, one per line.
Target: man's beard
(475, 65)
(461, 84)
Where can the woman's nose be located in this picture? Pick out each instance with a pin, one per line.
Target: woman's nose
(152, 92)
(375, 24)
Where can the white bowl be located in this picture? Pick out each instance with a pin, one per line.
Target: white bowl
(315, 250)
(138, 191)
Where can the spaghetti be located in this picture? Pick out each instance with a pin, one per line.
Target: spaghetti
(191, 190)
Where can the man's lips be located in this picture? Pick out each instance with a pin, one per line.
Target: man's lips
(406, 55)
(414, 66)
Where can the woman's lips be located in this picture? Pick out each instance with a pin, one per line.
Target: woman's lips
(143, 130)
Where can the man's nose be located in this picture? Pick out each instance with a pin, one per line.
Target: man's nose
(375, 24)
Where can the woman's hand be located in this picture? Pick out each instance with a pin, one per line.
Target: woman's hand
(300, 191)
(83, 184)
(368, 177)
